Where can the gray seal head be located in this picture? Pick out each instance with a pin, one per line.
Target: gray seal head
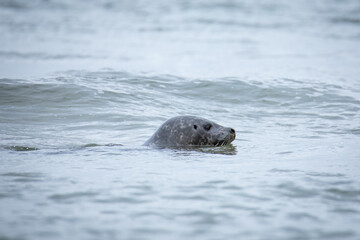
(183, 131)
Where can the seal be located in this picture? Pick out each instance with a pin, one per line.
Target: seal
(184, 131)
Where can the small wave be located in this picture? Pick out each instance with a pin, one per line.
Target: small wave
(21, 148)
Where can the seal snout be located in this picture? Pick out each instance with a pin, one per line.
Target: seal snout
(232, 132)
(232, 135)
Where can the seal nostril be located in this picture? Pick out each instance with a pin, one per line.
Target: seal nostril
(232, 130)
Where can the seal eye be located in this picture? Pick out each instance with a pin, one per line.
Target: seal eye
(195, 126)
(207, 127)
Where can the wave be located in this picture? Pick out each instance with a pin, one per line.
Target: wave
(75, 108)
(107, 90)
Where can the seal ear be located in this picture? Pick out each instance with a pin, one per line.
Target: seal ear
(195, 126)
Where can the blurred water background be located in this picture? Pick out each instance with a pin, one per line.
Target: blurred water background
(83, 84)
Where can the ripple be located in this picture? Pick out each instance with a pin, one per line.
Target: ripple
(341, 210)
(252, 197)
(92, 145)
(24, 176)
(335, 234)
(302, 215)
(232, 187)
(11, 195)
(71, 197)
(327, 182)
(284, 153)
(277, 170)
(148, 214)
(102, 233)
(127, 200)
(239, 207)
(341, 194)
(205, 218)
(290, 189)
(187, 198)
(325, 174)
(149, 230)
(42, 56)
(348, 20)
(216, 182)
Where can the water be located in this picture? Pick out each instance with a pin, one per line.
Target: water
(84, 84)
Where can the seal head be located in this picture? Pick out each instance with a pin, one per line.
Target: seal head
(183, 131)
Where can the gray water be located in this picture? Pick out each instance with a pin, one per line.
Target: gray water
(83, 84)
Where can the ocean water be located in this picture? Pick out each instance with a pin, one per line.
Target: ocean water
(83, 84)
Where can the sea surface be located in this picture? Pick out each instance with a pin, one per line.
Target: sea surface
(83, 84)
